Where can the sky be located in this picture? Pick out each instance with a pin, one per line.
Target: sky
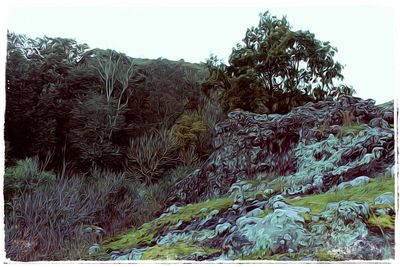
(363, 33)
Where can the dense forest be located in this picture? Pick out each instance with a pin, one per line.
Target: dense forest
(96, 138)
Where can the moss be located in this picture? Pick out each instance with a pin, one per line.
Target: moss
(255, 182)
(324, 255)
(143, 235)
(176, 251)
(381, 221)
(354, 129)
(187, 213)
(101, 256)
(368, 193)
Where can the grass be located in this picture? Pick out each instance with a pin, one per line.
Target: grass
(368, 193)
(176, 251)
(353, 128)
(382, 221)
(143, 235)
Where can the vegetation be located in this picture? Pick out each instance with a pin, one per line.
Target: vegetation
(275, 69)
(368, 193)
(94, 137)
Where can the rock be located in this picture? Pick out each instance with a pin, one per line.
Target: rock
(359, 181)
(308, 258)
(255, 212)
(276, 198)
(268, 192)
(203, 210)
(94, 249)
(246, 187)
(266, 233)
(173, 209)
(213, 212)
(89, 229)
(242, 221)
(315, 218)
(122, 258)
(279, 205)
(284, 258)
(222, 228)
(346, 223)
(136, 254)
(235, 207)
(305, 158)
(386, 198)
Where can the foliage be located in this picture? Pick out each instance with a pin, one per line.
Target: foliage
(188, 128)
(151, 155)
(275, 63)
(25, 175)
(53, 84)
(44, 223)
(92, 123)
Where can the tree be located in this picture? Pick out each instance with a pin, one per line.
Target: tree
(288, 65)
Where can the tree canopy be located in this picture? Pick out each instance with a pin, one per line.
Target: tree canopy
(275, 64)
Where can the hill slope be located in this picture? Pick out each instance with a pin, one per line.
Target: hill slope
(315, 184)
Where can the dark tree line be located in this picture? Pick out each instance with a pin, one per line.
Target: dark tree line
(85, 106)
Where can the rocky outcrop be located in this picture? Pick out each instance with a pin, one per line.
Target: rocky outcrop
(312, 148)
(314, 184)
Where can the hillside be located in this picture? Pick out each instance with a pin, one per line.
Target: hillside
(267, 156)
(316, 184)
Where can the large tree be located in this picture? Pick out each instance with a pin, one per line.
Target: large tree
(276, 64)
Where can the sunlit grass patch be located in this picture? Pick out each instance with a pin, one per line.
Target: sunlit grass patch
(368, 193)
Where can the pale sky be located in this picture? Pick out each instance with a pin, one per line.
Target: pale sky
(364, 35)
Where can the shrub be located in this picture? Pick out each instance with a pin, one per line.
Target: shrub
(25, 175)
(188, 128)
(152, 155)
(211, 113)
(45, 223)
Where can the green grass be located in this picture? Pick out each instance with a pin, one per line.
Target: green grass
(381, 221)
(368, 193)
(354, 129)
(143, 235)
(176, 251)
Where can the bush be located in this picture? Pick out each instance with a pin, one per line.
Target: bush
(26, 175)
(188, 128)
(211, 113)
(45, 223)
(150, 156)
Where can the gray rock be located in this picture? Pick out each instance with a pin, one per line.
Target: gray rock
(136, 254)
(359, 181)
(255, 212)
(122, 258)
(203, 210)
(266, 233)
(346, 224)
(276, 198)
(95, 248)
(279, 205)
(235, 207)
(173, 209)
(386, 198)
(268, 192)
(222, 228)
